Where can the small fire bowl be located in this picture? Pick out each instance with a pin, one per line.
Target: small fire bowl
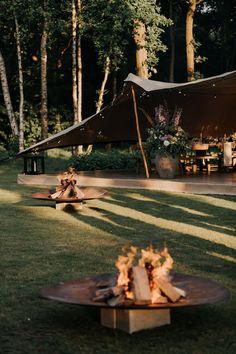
(89, 193)
(81, 291)
(76, 204)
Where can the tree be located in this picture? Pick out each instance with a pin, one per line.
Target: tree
(77, 74)
(11, 9)
(77, 30)
(107, 26)
(217, 26)
(172, 43)
(21, 86)
(74, 59)
(43, 58)
(148, 26)
(7, 97)
(141, 51)
(79, 59)
(190, 43)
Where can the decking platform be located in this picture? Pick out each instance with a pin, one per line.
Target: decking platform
(201, 183)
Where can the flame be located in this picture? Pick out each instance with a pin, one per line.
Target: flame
(157, 264)
(124, 264)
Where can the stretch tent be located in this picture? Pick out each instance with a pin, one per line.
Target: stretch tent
(209, 108)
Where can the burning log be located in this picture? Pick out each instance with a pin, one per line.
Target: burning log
(142, 293)
(115, 290)
(68, 187)
(168, 290)
(116, 300)
(107, 293)
(157, 298)
(145, 283)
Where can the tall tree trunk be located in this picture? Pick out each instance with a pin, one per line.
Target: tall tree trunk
(74, 62)
(7, 97)
(141, 51)
(79, 62)
(114, 86)
(172, 44)
(77, 67)
(103, 85)
(190, 38)
(101, 93)
(44, 90)
(21, 87)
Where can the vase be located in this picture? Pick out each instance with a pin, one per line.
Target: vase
(167, 166)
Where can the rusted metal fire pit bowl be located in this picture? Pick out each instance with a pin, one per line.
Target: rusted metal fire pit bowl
(75, 203)
(136, 317)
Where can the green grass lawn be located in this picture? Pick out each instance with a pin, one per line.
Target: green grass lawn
(40, 246)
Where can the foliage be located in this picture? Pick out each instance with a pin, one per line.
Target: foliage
(109, 31)
(100, 160)
(149, 13)
(31, 127)
(107, 24)
(167, 137)
(110, 24)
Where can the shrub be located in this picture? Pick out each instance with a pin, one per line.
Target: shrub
(104, 160)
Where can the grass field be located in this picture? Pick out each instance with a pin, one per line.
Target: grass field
(40, 246)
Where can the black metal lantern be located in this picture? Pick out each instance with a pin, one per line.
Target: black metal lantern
(34, 165)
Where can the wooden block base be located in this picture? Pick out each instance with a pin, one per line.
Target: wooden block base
(134, 320)
(69, 206)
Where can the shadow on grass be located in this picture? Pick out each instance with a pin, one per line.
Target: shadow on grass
(41, 246)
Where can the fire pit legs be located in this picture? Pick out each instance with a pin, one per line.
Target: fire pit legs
(69, 206)
(134, 320)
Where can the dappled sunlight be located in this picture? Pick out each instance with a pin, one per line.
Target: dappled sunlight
(180, 227)
(218, 226)
(98, 215)
(147, 199)
(141, 197)
(72, 222)
(216, 202)
(190, 211)
(9, 197)
(222, 256)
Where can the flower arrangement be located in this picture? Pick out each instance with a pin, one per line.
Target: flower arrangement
(166, 137)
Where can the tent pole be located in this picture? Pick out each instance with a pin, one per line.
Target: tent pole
(139, 135)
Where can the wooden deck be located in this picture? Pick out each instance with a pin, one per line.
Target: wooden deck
(201, 183)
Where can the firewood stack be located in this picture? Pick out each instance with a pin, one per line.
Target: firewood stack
(68, 186)
(148, 282)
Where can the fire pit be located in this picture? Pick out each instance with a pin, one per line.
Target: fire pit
(74, 203)
(131, 318)
(68, 195)
(137, 309)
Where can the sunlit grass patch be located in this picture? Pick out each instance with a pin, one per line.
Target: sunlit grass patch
(40, 246)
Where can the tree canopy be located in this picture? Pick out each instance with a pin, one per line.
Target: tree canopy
(107, 30)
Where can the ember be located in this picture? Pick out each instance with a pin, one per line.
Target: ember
(144, 278)
(68, 187)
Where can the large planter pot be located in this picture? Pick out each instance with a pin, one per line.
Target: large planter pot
(167, 166)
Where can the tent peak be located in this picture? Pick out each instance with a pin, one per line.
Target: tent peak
(153, 85)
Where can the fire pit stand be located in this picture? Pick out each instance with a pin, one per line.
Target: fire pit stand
(135, 317)
(72, 203)
(134, 320)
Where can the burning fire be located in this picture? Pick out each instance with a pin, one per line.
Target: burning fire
(144, 278)
(68, 186)
(157, 265)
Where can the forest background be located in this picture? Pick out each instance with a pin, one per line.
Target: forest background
(63, 60)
